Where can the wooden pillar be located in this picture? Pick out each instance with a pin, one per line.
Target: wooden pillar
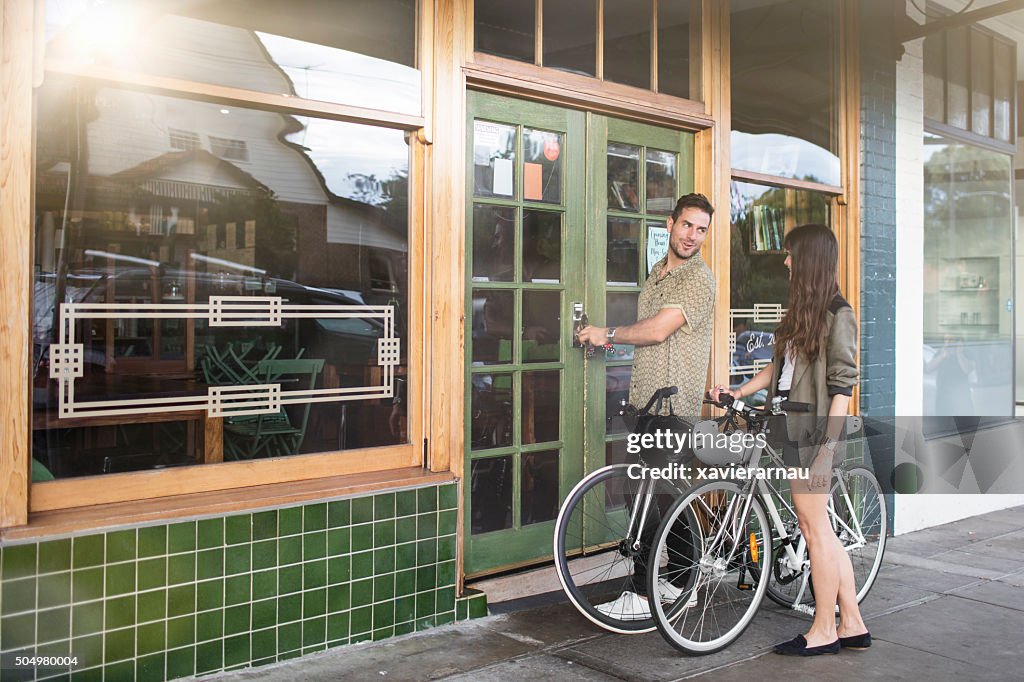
(712, 173)
(848, 213)
(16, 72)
(446, 225)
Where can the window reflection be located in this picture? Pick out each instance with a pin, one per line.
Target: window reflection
(627, 42)
(491, 494)
(967, 280)
(140, 201)
(358, 52)
(784, 108)
(759, 288)
(570, 32)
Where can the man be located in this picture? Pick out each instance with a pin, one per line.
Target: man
(673, 343)
(675, 310)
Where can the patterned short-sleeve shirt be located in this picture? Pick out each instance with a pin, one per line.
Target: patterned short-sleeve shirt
(682, 359)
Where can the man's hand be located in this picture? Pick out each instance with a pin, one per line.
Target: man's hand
(595, 336)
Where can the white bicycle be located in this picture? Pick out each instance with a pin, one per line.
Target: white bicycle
(745, 542)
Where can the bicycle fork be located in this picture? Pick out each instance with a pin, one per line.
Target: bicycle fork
(636, 525)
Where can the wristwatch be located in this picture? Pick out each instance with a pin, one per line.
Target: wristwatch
(610, 334)
(830, 443)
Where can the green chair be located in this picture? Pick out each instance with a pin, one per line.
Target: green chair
(273, 435)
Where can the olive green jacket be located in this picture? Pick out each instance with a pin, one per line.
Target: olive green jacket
(833, 372)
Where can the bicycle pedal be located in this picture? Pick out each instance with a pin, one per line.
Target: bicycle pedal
(744, 586)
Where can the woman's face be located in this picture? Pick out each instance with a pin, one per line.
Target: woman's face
(789, 263)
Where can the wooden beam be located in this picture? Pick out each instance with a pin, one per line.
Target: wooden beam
(222, 94)
(92, 518)
(17, 21)
(508, 77)
(789, 183)
(142, 485)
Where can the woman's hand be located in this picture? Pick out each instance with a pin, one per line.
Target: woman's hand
(821, 468)
(716, 392)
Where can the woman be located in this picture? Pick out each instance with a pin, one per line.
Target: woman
(815, 362)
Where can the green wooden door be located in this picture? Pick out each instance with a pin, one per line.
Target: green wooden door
(559, 203)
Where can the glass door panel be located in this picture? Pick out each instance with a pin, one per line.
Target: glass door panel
(525, 226)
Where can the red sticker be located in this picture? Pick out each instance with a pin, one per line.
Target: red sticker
(551, 149)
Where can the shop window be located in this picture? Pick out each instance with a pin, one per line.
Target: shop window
(968, 279)
(785, 88)
(613, 41)
(759, 285)
(356, 52)
(187, 308)
(970, 77)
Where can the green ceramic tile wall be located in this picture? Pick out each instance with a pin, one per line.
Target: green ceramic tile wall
(210, 594)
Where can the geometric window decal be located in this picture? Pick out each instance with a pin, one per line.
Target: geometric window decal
(388, 352)
(761, 313)
(220, 311)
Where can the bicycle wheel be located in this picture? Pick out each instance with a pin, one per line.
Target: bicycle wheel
(597, 556)
(859, 517)
(729, 532)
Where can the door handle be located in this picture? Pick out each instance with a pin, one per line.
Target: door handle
(579, 321)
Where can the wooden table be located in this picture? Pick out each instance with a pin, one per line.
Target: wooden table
(210, 434)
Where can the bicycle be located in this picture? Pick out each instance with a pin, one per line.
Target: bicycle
(602, 534)
(745, 547)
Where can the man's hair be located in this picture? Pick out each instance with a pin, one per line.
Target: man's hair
(698, 201)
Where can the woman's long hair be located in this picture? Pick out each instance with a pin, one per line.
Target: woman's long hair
(814, 254)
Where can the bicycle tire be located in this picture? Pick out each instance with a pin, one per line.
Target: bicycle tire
(595, 566)
(716, 578)
(866, 560)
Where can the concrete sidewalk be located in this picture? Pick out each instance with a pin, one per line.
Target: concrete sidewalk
(948, 604)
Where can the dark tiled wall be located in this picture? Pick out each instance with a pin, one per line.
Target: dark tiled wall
(166, 601)
(878, 232)
(878, 209)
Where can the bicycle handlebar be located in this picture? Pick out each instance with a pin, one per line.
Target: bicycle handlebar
(660, 394)
(728, 402)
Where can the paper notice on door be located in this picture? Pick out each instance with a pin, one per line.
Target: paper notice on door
(657, 245)
(532, 184)
(486, 137)
(502, 177)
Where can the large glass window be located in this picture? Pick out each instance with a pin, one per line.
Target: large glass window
(759, 285)
(648, 44)
(784, 88)
(357, 52)
(968, 265)
(213, 282)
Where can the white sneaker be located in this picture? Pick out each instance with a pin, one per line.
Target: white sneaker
(669, 593)
(628, 606)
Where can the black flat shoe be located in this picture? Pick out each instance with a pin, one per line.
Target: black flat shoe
(856, 642)
(798, 647)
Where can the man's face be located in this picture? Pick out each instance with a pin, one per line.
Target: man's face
(687, 234)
